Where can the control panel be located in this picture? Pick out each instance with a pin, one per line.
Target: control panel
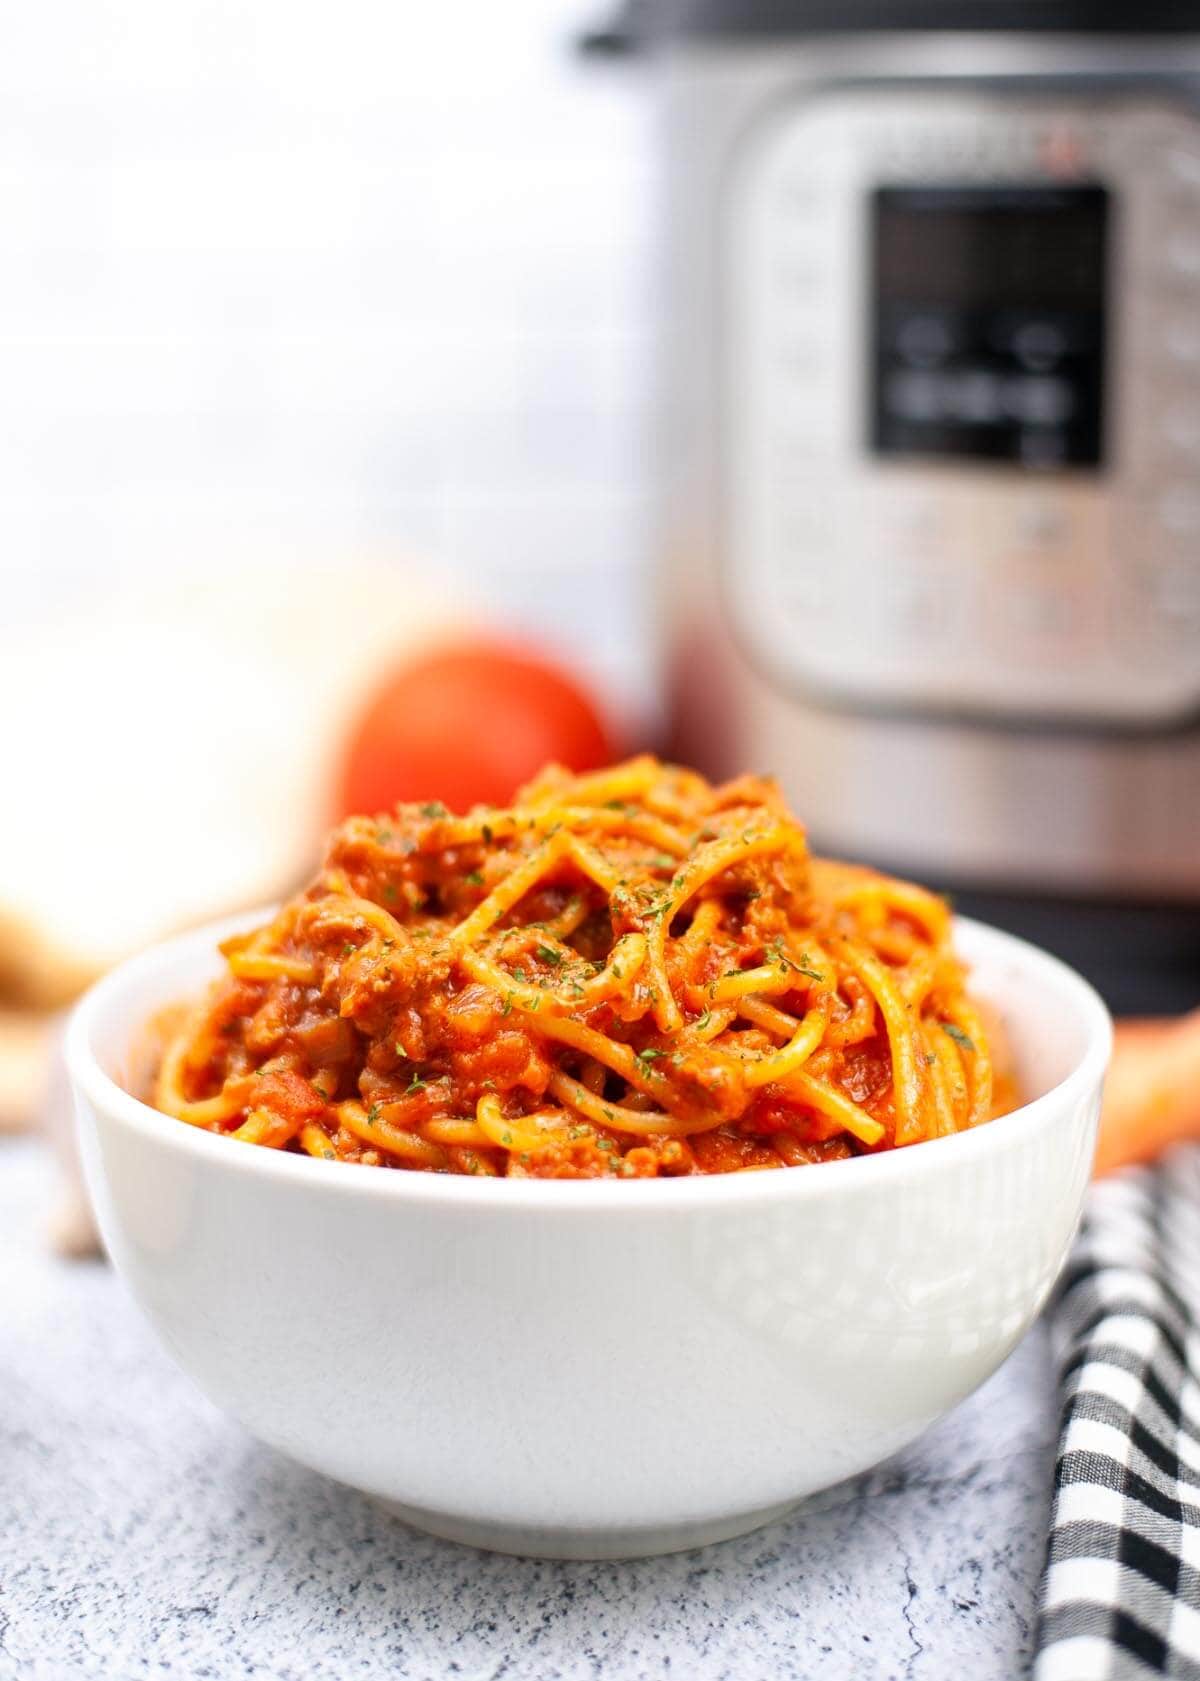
(963, 403)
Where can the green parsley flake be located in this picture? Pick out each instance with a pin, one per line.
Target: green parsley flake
(433, 809)
(475, 879)
(704, 1020)
(414, 1085)
(957, 1034)
(549, 955)
(650, 1055)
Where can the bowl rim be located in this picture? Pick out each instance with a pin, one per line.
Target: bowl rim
(90, 1081)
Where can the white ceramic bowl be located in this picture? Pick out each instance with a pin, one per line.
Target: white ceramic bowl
(594, 1368)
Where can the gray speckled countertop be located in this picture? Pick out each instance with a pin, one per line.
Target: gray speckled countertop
(143, 1535)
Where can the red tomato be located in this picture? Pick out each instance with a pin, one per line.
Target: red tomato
(466, 725)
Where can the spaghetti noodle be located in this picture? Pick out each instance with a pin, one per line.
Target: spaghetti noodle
(630, 973)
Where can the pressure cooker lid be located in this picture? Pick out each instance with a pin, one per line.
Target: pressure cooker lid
(643, 21)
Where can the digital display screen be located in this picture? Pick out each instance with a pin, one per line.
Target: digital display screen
(988, 311)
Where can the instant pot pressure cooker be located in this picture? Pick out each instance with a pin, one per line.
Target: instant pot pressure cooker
(930, 475)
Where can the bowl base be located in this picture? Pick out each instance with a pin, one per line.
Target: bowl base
(584, 1543)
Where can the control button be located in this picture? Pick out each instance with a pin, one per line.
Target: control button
(1183, 252)
(1164, 616)
(1181, 425)
(803, 359)
(799, 277)
(1181, 337)
(802, 542)
(917, 524)
(1184, 165)
(906, 532)
(1038, 619)
(804, 594)
(913, 606)
(804, 443)
(1175, 592)
(1179, 510)
(800, 195)
(1041, 524)
(1041, 613)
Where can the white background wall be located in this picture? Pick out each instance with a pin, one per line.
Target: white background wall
(293, 282)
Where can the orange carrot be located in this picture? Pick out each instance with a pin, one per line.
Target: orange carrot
(1152, 1095)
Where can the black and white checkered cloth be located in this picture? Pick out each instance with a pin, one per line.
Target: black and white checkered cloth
(1121, 1594)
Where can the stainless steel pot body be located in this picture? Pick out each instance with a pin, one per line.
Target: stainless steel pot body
(985, 670)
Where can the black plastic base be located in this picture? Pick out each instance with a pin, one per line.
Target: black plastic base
(1144, 960)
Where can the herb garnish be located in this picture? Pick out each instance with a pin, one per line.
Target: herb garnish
(957, 1034)
(474, 878)
(789, 965)
(549, 955)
